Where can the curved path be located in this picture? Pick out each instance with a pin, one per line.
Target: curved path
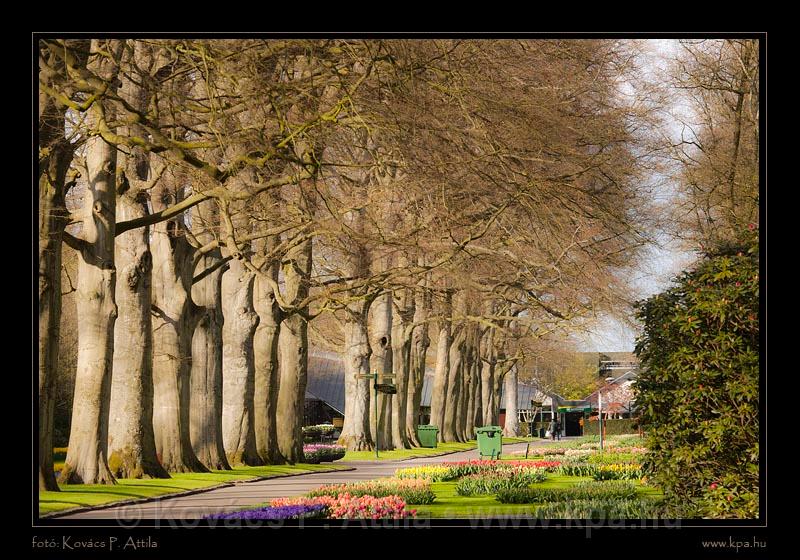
(244, 494)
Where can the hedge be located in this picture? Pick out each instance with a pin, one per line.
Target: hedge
(613, 427)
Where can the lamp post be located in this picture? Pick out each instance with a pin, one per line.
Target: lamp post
(600, 412)
(600, 417)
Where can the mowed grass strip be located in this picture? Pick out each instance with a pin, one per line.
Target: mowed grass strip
(82, 495)
(449, 504)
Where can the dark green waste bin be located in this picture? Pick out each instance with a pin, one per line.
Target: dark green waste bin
(490, 441)
(427, 435)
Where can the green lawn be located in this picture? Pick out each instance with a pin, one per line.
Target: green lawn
(80, 495)
(449, 504)
(441, 449)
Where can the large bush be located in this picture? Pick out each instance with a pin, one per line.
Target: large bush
(698, 390)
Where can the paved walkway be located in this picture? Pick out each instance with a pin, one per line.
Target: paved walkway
(239, 495)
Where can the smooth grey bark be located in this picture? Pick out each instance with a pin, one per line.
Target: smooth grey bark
(487, 373)
(131, 442)
(238, 366)
(402, 331)
(455, 359)
(454, 374)
(293, 353)
(497, 390)
(356, 434)
(174, 317)
(86, 460)
(420, 341)
(476, 420)
(205, 418)
(465, 419)
(442, 369)
(511, 426)
(380, 338)
(265, 343)
(52, 221)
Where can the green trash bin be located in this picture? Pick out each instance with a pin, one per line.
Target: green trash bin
(427, 435)
(490, 441)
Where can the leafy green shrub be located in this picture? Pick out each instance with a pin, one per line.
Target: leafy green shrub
(698, 389)
(602, 509)
(613, 490)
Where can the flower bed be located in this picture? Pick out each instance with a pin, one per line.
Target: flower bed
(295, 511)
(602, 509)
(627, 449)
(496, 481)
(347, 506)
(619, 471)
(412, 491)
(434, 473)
(613, 490)
(611, 458)
(579, 452)
(464, 468)
(315, 453)
(577, 469)
(453, 470)
(549, 466)
(546, 451)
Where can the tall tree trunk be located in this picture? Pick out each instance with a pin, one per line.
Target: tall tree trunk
(496, 392)
(419, 348)
(174, 319)
(238, 367)
(356, 434)
(440, 375)
(380, 337)
(487, 374)
(131, 442)
(265, 343)
(356, 429)
(86, 460)
(476, 420)
(205, 418)
(469, 398)
(450, 425)
(53, 218)
(52, 221)
(402, 329)
(511, 427)
(488, 391)
(293, 354)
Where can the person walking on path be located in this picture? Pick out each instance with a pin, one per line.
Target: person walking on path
(558, 430)
(553, 428)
